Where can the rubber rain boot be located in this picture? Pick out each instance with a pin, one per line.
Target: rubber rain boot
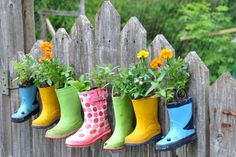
(96, 126)
(50, 111)
(124, 123)
(29, 105)
(147, 125)
(182, 130)
(71, 116)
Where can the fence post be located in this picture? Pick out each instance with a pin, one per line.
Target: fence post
(199, 91)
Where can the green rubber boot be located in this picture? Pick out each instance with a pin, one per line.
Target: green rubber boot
(71, 117)
(124, 123)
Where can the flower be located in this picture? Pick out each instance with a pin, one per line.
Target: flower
(46, 46)
(166, 54)
(156, 63)
(143, 54)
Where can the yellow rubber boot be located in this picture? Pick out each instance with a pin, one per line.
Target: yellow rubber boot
(50, 111)
(147, 124)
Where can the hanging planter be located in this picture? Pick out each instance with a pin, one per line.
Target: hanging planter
(124, 122)
(169, 84)
(45, 73)
(145, 106)
(70, 106)
(94, 102)
(28, 92)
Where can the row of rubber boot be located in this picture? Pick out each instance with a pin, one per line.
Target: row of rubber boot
(64, 105)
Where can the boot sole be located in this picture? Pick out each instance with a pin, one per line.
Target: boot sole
(21, 120)
(102, 137)
(172, 146)
(60, 138)
(45, 127)
(114, 149)
(154, 139)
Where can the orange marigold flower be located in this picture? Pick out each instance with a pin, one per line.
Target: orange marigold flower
(48, 55)
(166, 54)
(156, 63)
(46, 46)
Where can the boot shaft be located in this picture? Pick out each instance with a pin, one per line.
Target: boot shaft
(146, 112)
(28, 94)
(94, 104)
(181, 114)
(69, 102)
(49, 99)
(123, 111)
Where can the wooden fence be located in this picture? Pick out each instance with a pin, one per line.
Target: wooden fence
(85, 47)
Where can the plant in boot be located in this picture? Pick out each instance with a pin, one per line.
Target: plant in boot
(145, 106)
(46, 73)
(70, 107)
(94, 102)
(170, 83)
(29, 105)
(123, 109)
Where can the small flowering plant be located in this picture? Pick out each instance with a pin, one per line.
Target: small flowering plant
(139, 77)
(48, 71)
(24, 70)
(171, 76)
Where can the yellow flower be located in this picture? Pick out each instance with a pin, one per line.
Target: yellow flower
(156, 63)
(143, 54)
(166, 54)
(46, 46)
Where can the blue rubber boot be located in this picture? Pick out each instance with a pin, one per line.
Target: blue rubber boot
(28, 107)
(182, 130)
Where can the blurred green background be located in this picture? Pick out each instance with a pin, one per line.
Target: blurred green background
(174, 18)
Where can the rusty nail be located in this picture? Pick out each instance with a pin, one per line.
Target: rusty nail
(225, 125)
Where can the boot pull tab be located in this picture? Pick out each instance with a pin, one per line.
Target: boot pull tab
(229, 112)
(181, 95)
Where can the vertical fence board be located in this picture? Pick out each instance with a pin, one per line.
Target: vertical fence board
(159, 43)
(198, 90)
(156, 46)
(82, 53)
(61, 46)
(12, 40)
(222, 96)
(107, 35)
(133, 39)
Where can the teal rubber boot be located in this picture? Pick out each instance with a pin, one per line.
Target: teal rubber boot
(124, 123)
(29, 105)
(71, 117)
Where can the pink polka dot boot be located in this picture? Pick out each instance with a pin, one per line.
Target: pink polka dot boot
(96, 126)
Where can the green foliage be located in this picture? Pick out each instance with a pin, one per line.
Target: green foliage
(171, 77)
(24, 70)
(82, 84)
(120, 82)
(138, 79)
(100, 76)
(199, 23)
(50, 73)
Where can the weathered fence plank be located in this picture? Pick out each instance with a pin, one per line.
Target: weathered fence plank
(222, 126)
(61, 46)
(107, 35)
(133, 39)
(83, 46)
(199, 91)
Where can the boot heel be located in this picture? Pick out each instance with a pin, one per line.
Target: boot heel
(105, 137)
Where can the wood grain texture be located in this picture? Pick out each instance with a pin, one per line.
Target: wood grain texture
(82, 52)
(133, 39)
(159, 43)
(199, 91)
(222, 96)
(61, 46)
(107, 35)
